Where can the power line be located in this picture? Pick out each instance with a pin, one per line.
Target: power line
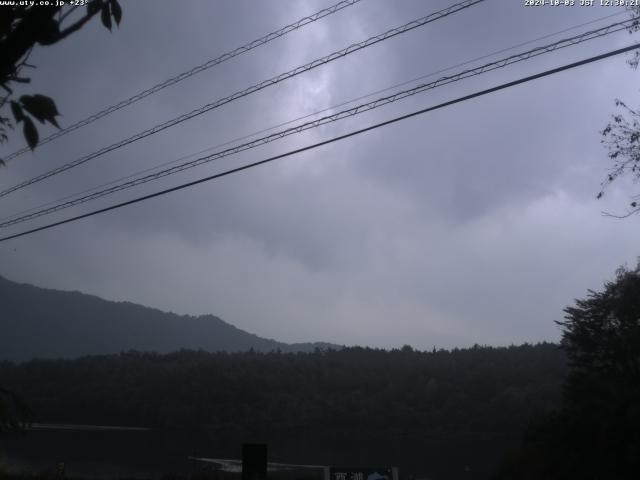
(309, 115)
(332, 140)
(194, 71)
(317, 112)
(577, 39)
(330, 118)
(254, 88)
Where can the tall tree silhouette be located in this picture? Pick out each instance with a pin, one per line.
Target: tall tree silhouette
(596, 433)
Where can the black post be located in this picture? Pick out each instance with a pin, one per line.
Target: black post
(254, 461)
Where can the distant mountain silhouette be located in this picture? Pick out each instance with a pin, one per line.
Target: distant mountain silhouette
(43, 323)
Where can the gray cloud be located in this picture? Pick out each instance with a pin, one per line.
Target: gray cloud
(475, 223)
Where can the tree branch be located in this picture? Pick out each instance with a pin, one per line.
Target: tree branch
(75, 26)
(66, 14)
(18, 43)
(627, 215)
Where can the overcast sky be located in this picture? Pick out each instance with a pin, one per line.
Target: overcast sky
(472, 224)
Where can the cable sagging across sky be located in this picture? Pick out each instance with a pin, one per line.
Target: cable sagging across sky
(189, 73)
(248, 91)
(303, 117)
(358, 109)
(329, 141)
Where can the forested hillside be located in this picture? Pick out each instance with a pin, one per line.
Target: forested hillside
(44, 323)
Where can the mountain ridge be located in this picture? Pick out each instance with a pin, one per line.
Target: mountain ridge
(41, 322)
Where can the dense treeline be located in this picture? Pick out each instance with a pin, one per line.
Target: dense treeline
(481, 389)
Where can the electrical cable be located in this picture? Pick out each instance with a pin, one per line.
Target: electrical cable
(189, 73)
(254, 88)
(329, 141)
(309, 115)
(577, 39)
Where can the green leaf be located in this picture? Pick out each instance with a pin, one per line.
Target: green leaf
(41, 107)
(16, 109)
(116, 11)
(30, 133)
(105, 16)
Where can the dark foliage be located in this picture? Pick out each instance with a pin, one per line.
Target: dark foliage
(621, 136)
(15, 413)
(596, 433)
(448, 414)
(481, 389)
(22, 27)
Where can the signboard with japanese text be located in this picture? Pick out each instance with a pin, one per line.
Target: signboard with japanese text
(363, 473)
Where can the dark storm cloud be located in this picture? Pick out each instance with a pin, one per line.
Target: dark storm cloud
(475, 223)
